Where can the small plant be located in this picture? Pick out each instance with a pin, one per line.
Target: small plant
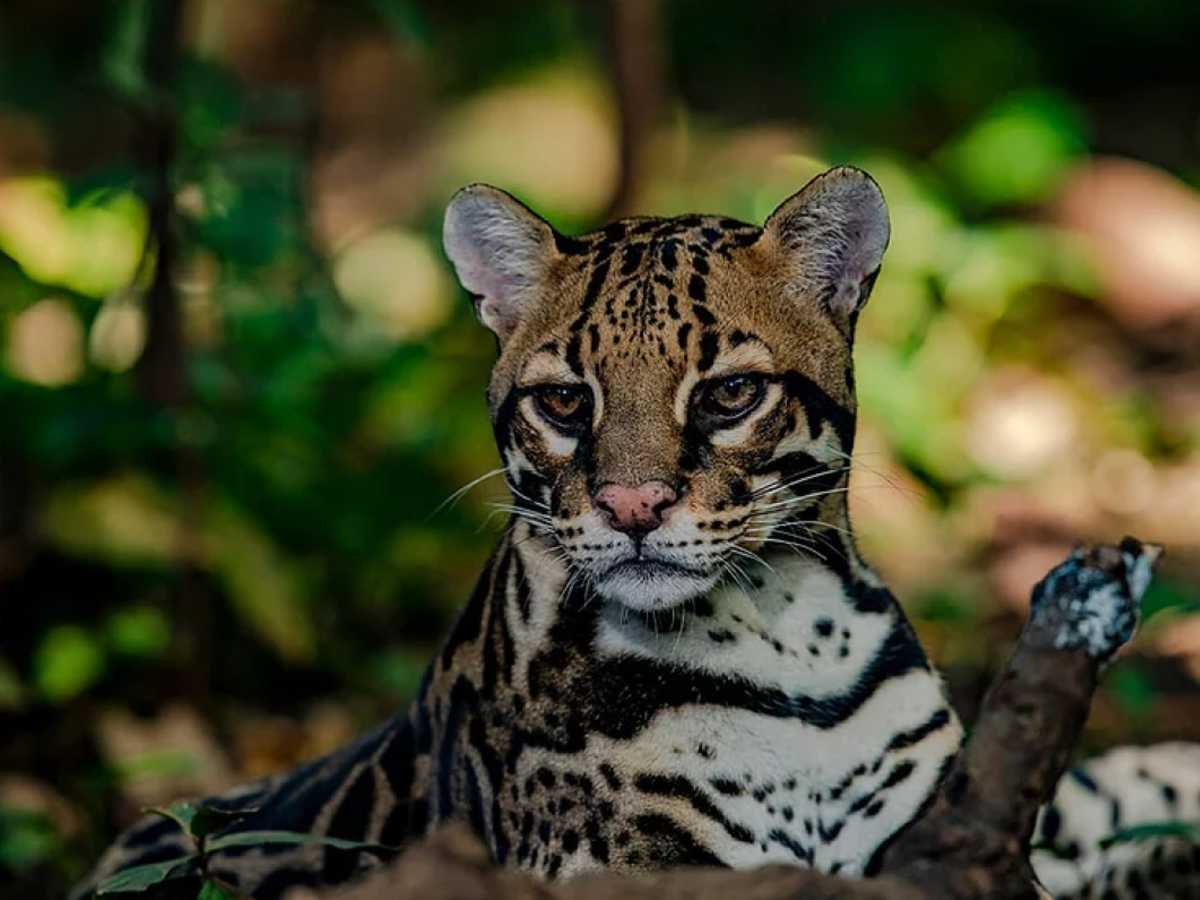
(207, 824)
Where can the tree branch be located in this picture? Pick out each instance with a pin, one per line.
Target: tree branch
(160, 373)
(638, 73)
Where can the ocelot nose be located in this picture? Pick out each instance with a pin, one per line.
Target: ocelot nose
(635, 510)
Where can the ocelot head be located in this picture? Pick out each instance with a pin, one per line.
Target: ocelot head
(673, 396)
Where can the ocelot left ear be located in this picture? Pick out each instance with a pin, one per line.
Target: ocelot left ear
(502, 251)
(831, 235)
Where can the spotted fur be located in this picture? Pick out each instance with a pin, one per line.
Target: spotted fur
(730, 684)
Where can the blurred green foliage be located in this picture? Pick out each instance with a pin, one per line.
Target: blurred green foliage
(266, 549)
(26, 840)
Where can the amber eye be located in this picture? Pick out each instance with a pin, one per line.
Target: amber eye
(567, 406)
(728, 399)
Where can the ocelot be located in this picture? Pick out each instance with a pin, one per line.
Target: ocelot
(676, 654)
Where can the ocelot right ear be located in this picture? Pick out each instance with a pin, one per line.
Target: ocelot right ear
(829, 238)
(502, 252)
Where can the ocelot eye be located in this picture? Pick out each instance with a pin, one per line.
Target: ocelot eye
(567, 406)
(728, 399)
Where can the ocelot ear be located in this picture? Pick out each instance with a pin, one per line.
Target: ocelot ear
(502, 252)
(831, 235)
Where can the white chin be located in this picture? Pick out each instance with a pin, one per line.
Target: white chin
(648, 587)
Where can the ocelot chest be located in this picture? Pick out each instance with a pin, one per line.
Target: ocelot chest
(729, 787)
(763, 729)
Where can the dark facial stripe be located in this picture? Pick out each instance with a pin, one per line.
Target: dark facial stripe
(819, 407)
(667, 254)
(591, 293)
(631, 259)
(572, 355)
(708, 351)
(799, 464)
(682, 335)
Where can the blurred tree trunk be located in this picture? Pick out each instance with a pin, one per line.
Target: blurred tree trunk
(638, 66)
(162, 370)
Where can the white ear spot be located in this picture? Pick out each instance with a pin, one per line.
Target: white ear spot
(832, 234)
(502, 252)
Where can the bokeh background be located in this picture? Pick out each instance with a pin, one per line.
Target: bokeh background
(237, 377)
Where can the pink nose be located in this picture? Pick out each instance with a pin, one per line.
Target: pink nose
(635, 509)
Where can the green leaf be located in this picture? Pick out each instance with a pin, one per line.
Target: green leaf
(158, 764)
(141, 631)
(12, 692)
(213, 891)
(27, 839)
(1055, 850)
(254, 838)
(123, 51)
(67, 662)
(1153, 830)
(141, 878)
(265, 587)
(1132, 689)
(1019, 151)
(1164, 594)
(202, 818)
(211, 816)
(181, 812)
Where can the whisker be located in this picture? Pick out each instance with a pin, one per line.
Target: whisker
(457, 495)
(787, 523)
(488, 519)
(801, 498)
(808, 549)
(823, 539)
(522, 511)
(856, 462)
(682, 628)
(782, 484)
(539, 504)
(734, 571)
(754, 557)
(799, 540)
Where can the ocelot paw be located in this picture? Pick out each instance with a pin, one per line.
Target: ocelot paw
(1091, 600)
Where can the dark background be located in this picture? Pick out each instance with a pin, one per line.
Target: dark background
(237, 378)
